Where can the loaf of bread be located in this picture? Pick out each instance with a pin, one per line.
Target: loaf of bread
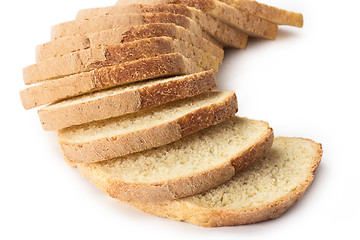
(263, 191)
(131, 96)
(191, 165)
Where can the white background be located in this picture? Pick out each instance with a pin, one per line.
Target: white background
(306, 84)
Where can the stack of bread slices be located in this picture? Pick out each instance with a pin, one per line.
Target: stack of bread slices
(130, 92)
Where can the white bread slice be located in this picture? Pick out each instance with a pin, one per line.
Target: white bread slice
(223, 33)
(115, 137)
(269, 13)
(191, 165)
(92, 58)
(261, 192)
(101, 23)
(68, 44)
(107, 77)
(242, 20)
(123, 100)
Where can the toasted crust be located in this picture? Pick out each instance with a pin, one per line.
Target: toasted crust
(223, 33)
(269, 13)
(98, 79)
(181, 187)
(101, 23)
(116, 146)
(61, 46)
(92, 58)
(108, 106)
(183, 210)
(242, 20)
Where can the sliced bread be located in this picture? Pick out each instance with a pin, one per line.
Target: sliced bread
(191, 165)
(123, 100)
(92, 58)
(68, 44)
(242, 20)
(223, 33)
(101, 23)
(269, 13)
(261, 192)
(107, 77)
(115, 137)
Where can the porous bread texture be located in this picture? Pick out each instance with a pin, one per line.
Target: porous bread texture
(101, 23)
(263, 191)
(223, 33)
(68, 44)
(269, 13)
(92, 58)
(115, 137)
(123, 100)
(242, 20)
(107, 77)
(191, 165)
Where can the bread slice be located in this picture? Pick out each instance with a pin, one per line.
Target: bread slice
(101, 23)
(261, 192)
(269, 13)
(92, 58)
(191, 165)
(123, 100)
(115, 137)
(223, 33)
(107, 77)
(242, 20)
(61, 46)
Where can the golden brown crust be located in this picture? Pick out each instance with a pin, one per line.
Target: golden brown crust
(92, 58)
(242, 20)
(65, 45)
(101, 23)
(269, 13)
(55, 90)
(223, 33)
(126, 102)
(164, 133)
(182, 210)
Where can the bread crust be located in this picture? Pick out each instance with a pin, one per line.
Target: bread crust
(101, 23)
(182, 210)
(269, 13)
(164, 133)
(103, 78)
(92, 58)
(59, 47)
(126, 102)
(138, 194)
(223, 33)
(242, 20)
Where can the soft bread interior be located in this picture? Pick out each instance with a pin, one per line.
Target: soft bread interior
(194, 154)
(288, 166)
